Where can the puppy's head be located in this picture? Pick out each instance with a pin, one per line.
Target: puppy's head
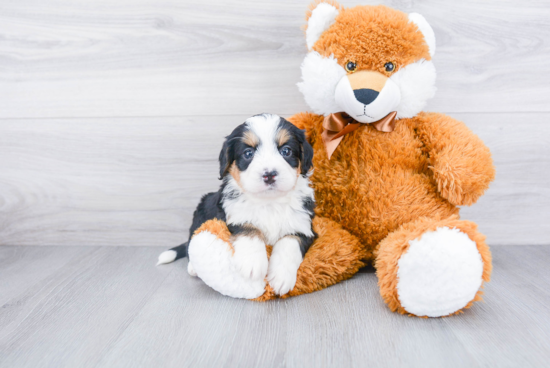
(265, 156)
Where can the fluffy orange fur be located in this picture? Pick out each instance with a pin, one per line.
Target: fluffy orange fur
(385, 190)
(381, 190)
(397, 243)
(371, 36)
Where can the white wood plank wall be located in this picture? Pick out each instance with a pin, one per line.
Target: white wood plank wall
(112, 112)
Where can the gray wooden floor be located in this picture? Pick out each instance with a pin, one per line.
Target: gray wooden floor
(111, 307)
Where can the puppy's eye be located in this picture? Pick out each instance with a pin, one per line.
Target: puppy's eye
(248, 153)
(350, 66)
(389, 66)
(285, 151)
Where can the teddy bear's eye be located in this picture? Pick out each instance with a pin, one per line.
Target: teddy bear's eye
(350, 66)
(389, 66)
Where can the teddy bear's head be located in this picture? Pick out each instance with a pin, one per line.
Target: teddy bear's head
(367, 61)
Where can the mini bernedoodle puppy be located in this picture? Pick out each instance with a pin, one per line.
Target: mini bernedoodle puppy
(265, 198)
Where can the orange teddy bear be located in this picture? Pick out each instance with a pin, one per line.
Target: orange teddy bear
(387, 177)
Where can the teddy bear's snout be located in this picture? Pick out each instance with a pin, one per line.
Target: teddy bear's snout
(365, 95)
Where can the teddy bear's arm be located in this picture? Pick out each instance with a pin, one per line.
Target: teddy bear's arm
(461, 163)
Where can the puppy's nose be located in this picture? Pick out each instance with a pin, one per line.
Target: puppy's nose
(365, 95)
(269, 177)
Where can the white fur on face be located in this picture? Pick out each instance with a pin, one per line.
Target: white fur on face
(416, 83)
(326, 90)
(320, 75)
(267, 159)
(386, 102)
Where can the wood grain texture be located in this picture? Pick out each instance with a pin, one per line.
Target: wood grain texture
(137, 181)
(64, 58)
(111, 307)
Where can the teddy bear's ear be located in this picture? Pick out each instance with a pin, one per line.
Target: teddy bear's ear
(426, 30)
(320, 17)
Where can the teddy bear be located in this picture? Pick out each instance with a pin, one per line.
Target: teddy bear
(388, 178)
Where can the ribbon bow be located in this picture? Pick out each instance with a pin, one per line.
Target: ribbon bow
(339, 124)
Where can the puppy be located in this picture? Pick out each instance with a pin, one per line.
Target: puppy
(265, 198)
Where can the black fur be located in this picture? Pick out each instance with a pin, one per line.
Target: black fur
(302, 152)
(232, 150)
(181, 250)
(244, 230)
(209, 208)
(305, 242)
(309, 205)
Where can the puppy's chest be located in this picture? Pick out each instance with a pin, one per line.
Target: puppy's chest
(274, 220)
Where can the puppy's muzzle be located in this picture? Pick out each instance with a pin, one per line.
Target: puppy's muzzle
(269, 177)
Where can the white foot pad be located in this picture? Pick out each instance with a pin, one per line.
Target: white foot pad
(191, 270)
(440, 273)
(212, 261)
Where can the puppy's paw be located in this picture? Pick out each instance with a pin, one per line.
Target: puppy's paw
(283, 265)
(281, 277)
(250, 258)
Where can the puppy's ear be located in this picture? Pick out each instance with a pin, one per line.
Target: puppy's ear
(307, 154)
(226, 157)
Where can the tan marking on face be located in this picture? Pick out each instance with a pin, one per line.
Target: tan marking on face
(251, 139)
(235, 173)
(283, 136)
(367, 79)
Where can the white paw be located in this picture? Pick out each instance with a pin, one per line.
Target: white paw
(213, 263)
(250, 258)
(283, 265)
(440, 273)
(191, 270)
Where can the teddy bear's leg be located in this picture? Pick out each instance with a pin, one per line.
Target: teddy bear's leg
(334, 256)
(210, 253)
(433, 267)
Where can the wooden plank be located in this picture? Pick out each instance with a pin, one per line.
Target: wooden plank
(137, 181)
(24, 266)
(516, 310)
(515, 210)
(167, 58)
(112, 307)
(69, 318)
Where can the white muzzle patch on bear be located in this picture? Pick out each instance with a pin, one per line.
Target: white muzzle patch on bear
(367, 111)
(327, 89)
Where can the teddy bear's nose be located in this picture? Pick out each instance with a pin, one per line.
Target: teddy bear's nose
(365, 95)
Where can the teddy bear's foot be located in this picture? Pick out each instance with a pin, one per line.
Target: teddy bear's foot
(433, 268)
(210, 253)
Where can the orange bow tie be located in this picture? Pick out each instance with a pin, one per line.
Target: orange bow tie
(339, 124)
